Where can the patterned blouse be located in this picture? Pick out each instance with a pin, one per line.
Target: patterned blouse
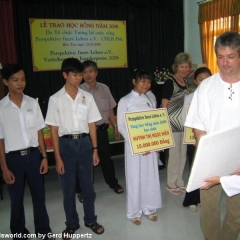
(175, 93)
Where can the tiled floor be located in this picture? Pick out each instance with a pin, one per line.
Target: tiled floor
(174, 221)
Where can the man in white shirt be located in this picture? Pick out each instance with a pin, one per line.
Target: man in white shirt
(72, 114)
(105, 103)
(215, 107)
(21, 137)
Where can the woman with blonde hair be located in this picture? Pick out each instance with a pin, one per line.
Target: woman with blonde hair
(174, 91)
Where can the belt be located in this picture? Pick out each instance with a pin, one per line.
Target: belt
(23, 152)
(103, 126)
(75, 136)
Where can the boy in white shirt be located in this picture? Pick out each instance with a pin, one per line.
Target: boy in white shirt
(21, 159)
(72, 114)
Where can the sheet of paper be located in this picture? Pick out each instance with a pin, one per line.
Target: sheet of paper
(217, 155)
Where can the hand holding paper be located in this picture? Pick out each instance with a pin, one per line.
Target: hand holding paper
(210, 182)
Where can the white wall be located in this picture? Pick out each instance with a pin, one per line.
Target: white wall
(191, 30)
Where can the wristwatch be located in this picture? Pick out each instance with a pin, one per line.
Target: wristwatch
(45, 157)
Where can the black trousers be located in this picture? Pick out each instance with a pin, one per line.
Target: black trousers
(191, 198)
(26, 168)
(106, 161)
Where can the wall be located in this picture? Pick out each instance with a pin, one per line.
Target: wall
(191, 30)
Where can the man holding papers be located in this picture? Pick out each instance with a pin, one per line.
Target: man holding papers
(230, 184)
(216, 107)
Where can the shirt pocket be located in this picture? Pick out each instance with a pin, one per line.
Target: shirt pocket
(30, 121)
(104, 105)
(82, 112)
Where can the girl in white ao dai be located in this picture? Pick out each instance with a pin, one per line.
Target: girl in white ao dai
(142, 177)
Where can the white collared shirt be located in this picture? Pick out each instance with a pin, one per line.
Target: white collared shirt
(212, 109)
(72, 116)
(19, 126)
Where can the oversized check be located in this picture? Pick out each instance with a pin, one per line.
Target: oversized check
(149, 130)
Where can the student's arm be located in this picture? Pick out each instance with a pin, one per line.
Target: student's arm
(93, 137)
(55, 142)
(198, 134)
(44, 162)
(113, 121)
(8, 176)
